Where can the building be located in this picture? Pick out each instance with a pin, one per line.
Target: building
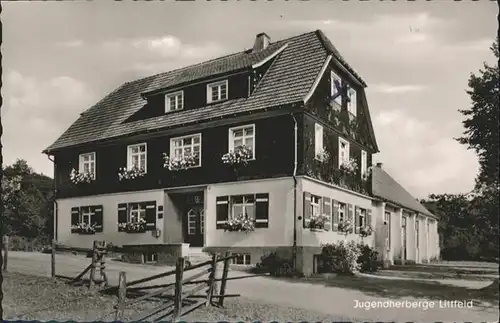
(162, 164)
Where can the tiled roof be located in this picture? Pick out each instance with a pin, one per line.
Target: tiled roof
(287, 81)
(388, 189)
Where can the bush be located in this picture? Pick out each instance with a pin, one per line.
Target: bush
(341, 257)
(17, 243)
(368, 260)
(276, 266)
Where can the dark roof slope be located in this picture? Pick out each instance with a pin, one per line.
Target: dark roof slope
(288, 80)
(388, 189)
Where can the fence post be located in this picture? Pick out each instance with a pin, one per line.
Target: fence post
(102, 267)
(211, 280)
(179, 272)
(53, 260)
(6, 251)
(94, 261)
(122, 295)
(223, 282)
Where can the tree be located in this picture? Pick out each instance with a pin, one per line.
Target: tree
(481, 121)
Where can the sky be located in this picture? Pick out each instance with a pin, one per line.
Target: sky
(60, 58)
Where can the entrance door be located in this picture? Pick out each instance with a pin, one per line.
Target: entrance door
(403, 236)
(195, 226)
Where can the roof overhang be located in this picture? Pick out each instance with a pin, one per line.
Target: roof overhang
(268, 58)
(400, 206)
(318, 78)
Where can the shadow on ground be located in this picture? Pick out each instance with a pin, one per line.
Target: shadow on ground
(396, 289)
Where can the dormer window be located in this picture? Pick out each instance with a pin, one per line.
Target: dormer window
(352, 102)
(217, 91)
(174, 101)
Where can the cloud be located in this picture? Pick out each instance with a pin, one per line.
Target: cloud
(150, 55)
(421, 157)
(396, 89)
(71, 44)
(35, 112)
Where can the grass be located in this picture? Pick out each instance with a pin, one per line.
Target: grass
(40, 298)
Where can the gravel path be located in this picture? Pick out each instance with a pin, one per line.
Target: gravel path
(327, 299)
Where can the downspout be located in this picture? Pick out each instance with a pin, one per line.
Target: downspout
(54, 188)
(294, 247)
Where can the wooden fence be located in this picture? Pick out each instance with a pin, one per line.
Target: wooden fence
(176, 299)
(97, 263)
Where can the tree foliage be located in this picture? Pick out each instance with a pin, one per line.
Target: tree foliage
(27, 198)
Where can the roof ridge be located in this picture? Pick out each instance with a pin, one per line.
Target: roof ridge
(215, 59)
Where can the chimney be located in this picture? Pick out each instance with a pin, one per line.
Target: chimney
(262, 40)
(379, 165)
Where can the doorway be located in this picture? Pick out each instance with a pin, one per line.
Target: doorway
(195, 226)
(403, 236)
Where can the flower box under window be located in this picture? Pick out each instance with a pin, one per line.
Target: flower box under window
(84, 228)
(130, 174)
(138, 226)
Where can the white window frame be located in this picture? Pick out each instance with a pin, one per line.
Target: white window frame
(352, 104)
(191, 225)
(246, 259)
(130, 154)
(86, 212)
(364, 161)
(232, 138)
(91, 163)
(333, 90)
(172, 146)
(136, 211)
(362, 217)
(347, 150)
(315, 205)
(243, 205)
(387, 219)
(318, 142)
(217, 85)
(179, 101)
(342, 211)
(417, 233)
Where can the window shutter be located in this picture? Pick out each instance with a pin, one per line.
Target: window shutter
(122, 214)
(335, 225)
(327, 210)
(307, 209)
(222, 211)
(150, 215)
(262, 210)
(358, 222)
(75, 216)
(350, 214)
(369, 217)
(98, 217)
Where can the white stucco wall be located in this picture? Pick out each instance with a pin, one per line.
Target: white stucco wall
(306, 237)
(110, 232)
(280, 228)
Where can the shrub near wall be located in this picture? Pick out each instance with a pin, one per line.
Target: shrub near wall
(348, 258)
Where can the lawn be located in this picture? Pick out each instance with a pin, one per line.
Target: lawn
(40, 298)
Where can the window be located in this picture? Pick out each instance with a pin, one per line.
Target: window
(217, 91)
(149, 257)
(362, 217)
(182, 147)
(255, 206)
(243, 205)
(86, 215)
(136, 211)
(318, 141)
(352, 104)
(417, 232)
(315, 205)
(174, 101)
(242, 259)
(387, 222)
(343, 151)
(342, 211)
(242, 136)
(137, 156)
(87, 163)
(335, 87)
(191, 225)
(364, 167)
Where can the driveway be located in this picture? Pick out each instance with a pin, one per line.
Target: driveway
(337, 298)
